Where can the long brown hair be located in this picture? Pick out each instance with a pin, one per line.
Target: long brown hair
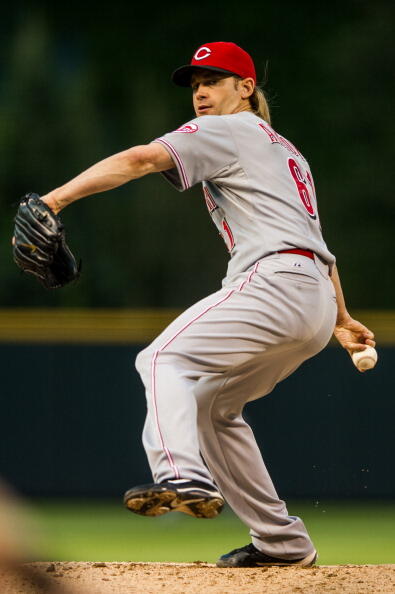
(259, 104)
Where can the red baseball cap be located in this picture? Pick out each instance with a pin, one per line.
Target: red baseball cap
(220, 56)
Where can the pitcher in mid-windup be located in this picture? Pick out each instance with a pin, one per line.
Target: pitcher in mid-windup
(279, 304)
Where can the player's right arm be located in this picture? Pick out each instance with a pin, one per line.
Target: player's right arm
(352, 335)
(111, 173)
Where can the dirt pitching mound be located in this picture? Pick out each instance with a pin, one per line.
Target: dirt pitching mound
(191, 578)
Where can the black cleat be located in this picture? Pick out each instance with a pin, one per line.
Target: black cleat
(250, 556)
(190, 497)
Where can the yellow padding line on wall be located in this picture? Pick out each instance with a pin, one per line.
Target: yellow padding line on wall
(105, 326)
(126, 326)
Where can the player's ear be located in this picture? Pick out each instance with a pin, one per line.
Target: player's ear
(247, 86)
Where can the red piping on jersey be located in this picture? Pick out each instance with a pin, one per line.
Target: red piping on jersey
(179, 161)
(153, 388)
(253, 271)
(169, 456)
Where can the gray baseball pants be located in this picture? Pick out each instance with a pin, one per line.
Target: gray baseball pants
(232, 347)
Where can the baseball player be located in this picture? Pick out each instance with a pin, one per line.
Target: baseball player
(279, 304)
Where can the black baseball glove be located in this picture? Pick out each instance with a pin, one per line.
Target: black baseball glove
(39, 244)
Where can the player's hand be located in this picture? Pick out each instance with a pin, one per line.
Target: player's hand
(353, 336)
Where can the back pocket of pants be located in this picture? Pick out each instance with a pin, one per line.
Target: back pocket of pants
(298, 277)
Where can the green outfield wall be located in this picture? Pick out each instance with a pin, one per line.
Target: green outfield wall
(73, 408)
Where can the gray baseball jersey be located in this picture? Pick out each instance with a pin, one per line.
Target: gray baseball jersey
(274, 311)
(258, 187)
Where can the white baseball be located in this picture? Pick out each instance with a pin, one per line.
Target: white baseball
(366, 359)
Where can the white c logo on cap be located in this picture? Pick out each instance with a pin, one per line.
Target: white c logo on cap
(200, 56)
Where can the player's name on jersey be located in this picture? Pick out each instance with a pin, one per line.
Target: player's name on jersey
(277, 138)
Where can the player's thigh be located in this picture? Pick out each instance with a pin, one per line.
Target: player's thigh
(236, 325)
(180, 325)
(244, 326)
(218, 337)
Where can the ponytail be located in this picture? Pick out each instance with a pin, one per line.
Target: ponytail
(260, 105)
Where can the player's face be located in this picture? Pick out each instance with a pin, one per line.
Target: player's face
(214, 94)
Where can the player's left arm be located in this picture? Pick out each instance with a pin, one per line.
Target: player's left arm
(352, 335)
(111, 173)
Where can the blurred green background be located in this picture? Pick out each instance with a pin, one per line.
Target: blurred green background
(82, 81)
(343, 532)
